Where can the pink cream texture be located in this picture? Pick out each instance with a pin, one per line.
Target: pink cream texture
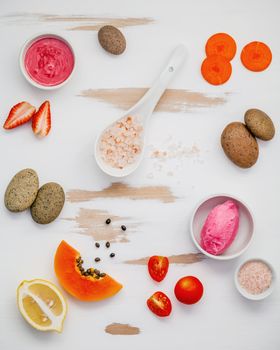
(220, 228)
(49, 61)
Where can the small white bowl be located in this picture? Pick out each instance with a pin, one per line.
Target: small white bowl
(26, 46)
(245, 231)
(244, 292)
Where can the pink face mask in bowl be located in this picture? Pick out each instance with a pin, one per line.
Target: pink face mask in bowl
(47, 61)
(222, 227)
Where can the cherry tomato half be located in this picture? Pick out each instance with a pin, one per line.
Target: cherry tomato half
(158, 267)
(160, 304)
(188, 290)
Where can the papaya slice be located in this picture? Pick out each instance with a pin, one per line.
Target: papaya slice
(89, 285)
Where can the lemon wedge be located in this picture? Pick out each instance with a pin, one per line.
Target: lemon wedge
(42, 305)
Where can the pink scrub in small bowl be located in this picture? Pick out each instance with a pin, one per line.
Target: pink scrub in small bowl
(47, 61)
(227, 216)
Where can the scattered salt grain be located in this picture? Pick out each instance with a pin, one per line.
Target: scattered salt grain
(122, 143)
(255, 277)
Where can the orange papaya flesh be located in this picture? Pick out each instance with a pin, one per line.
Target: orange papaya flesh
(84, 288)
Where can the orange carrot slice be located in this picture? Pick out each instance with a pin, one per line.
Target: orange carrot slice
(256, 56)
(216, 69)
(221, 44)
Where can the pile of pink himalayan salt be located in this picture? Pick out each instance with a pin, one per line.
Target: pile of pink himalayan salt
(255, 277)
(121, 144)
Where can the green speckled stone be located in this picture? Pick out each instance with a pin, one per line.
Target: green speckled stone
(48, 204)
(22, 190)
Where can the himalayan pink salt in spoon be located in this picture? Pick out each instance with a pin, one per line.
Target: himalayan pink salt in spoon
(119, 148)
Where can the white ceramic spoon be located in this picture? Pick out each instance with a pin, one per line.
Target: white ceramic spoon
(142, 110)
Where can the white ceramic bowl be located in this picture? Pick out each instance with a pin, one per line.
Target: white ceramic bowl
(26, 46)
(245, 232)
(244, 292)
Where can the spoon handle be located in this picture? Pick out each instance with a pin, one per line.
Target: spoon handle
(152, 96)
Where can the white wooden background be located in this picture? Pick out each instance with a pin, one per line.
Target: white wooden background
(223, 320)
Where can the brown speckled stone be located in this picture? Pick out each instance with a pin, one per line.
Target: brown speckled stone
(240, 145)
(259, 124)
(112, 40)
(22, 190)
(48, 203)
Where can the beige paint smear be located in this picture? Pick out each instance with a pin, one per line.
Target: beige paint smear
(117, 22)
(86, 22)
(121, 329)
(190, 258)
(91, 222)
(121, 190)
(173, 100)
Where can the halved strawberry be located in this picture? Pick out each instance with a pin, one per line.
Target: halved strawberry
(41, 122)
(19, 114)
